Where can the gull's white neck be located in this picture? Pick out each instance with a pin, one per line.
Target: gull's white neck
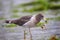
(31, 23)
(33, 18)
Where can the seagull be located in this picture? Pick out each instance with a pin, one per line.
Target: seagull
(27, 21)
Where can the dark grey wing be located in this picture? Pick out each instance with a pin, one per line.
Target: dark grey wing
(23, 20)
(20, 21)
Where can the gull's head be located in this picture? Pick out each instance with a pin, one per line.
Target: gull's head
(36, 18)
(39, 17)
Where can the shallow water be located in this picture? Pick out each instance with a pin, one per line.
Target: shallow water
(17, 33)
